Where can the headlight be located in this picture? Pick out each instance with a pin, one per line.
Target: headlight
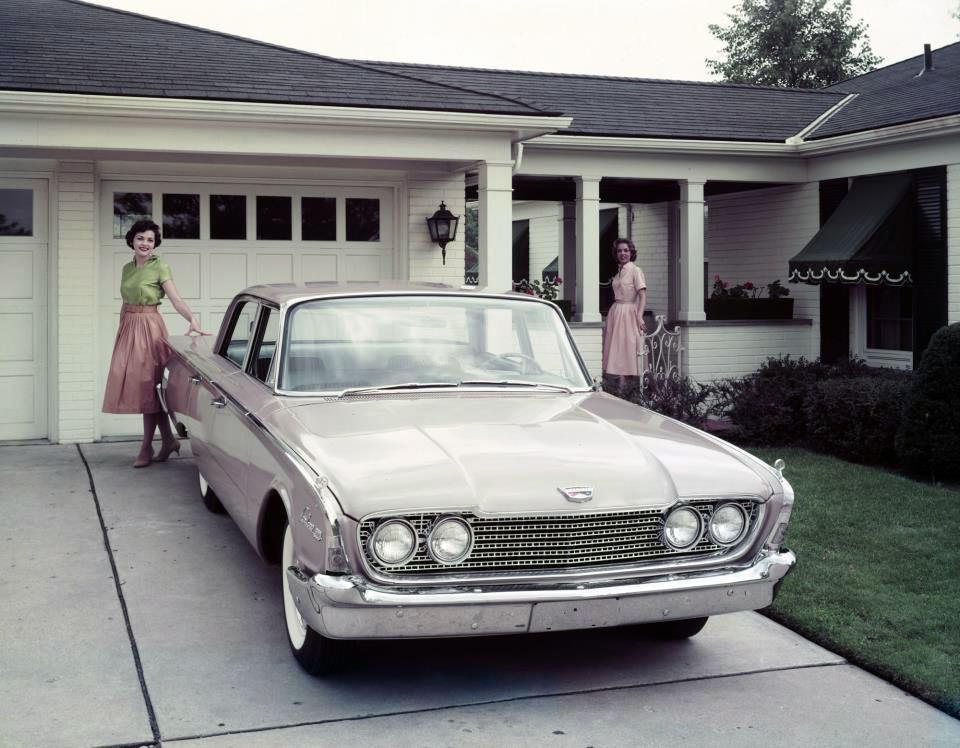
(450, 541)
(394, 542)
(727, 524)
(682, 528)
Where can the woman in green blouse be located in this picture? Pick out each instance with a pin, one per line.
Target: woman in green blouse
(141, 350)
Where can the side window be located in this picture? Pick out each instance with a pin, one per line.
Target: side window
(265, 347)
(234, 346)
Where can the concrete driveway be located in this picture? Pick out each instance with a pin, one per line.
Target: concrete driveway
(132, 616)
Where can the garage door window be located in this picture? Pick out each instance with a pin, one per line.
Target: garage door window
(274, 218)
(181, 216)
(128, 208)
(16, 212)
(318, 219)
(363, 219)
(228, 216)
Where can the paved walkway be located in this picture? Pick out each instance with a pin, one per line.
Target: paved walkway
(131, 616)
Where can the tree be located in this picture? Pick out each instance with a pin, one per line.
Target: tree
(796, 43)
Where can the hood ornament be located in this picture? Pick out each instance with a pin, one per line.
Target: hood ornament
(577, 494)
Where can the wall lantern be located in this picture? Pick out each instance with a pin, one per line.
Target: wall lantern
(443, 228)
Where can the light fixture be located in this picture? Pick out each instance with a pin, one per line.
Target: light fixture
(443, 228)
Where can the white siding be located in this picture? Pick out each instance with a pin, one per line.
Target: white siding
(590, 343)
(424, 193)
(717, 351)
(651, 236)
(78, 396)
(953, 243)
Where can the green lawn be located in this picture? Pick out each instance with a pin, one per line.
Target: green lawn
(878, 572)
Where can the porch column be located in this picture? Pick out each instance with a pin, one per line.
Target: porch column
(568, 250)
(588, 241)
(691, 250)
(495, 192)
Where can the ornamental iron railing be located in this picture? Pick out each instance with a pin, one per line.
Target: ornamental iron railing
(662, 355)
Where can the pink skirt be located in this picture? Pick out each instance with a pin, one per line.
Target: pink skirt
(139, 353)
(622, 343)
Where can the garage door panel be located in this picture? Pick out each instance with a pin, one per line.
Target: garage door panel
(274, 268)
(17, 393)
(17, 274)
(319, 267)
(359, 268)
(228, 273)
(17, 331)
(185, 267)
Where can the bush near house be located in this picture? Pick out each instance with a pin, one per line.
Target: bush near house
(928, 441)
(680, 398)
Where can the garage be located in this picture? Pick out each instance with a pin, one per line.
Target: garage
(23, 308)
(221, 237)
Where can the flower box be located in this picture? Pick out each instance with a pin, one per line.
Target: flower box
(726, 308)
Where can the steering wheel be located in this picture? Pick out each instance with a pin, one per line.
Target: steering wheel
(519, 362)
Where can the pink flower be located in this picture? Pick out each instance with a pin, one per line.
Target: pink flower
(748, 285)
(559, 280)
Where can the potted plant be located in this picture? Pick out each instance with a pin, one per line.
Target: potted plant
(747, 301)
(548, 290)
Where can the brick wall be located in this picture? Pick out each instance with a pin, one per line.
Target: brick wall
(953, 243)
(424, 193)
(77, 393)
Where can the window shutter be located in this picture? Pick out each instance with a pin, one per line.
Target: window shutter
(929, 256)
(834, 297)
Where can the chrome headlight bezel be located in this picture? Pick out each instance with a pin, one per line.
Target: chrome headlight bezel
(468, 546)
(695, 538)
(372, 542)
(744, 520)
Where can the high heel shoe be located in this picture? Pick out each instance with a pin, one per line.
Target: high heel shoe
(144, 458)
(166, 450)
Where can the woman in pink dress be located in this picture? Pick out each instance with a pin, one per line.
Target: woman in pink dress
(622, 340)
(141, 350)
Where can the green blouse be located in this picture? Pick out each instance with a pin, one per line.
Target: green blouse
(144, 286)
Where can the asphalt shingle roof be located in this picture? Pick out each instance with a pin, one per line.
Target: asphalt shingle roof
(896, 94)
(71, 47)
(636, 107)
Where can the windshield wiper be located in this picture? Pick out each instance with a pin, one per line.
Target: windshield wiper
(515, 383)
(400, 386)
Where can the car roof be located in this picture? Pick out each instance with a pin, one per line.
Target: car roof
(284, 293)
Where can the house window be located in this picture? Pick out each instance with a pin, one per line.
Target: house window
(16, 212)
(274, 217)
(228, 216)
(363, 219)
(181, 216)
(890, 318)
(128, 208)
(319, 218)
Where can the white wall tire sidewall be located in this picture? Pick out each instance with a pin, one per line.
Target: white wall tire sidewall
(296, 626)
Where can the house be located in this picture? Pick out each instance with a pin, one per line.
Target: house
(265, 164)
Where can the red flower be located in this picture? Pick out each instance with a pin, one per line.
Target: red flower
(748, 285)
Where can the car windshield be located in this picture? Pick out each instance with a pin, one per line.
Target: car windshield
(333, 345)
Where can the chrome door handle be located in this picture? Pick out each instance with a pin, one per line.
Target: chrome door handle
(219, 402)
(196, 379)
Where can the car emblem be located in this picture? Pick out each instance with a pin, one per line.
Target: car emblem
(577, 494)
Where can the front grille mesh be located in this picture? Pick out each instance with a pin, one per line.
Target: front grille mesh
(553, 541)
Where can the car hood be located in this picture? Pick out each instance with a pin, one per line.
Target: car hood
(500, 453)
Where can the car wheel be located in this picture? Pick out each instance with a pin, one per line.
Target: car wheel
(677, 629)
(210, 499)
(316, 654)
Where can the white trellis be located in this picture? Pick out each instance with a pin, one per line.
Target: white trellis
(661, 356)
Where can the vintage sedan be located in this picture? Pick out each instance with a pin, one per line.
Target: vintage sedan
(423, 461)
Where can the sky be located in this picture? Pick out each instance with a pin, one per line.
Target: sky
(632, 38)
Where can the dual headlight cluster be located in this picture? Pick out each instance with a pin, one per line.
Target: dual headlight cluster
(395, 541)
(683, 527)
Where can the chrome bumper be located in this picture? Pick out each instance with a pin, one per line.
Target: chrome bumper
(351, 608)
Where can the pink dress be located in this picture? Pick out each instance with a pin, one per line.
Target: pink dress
(622, 342)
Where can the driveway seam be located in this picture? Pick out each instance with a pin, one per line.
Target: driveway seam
(151, 714)
(510, 700)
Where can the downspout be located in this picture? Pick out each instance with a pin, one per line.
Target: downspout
(516, 153)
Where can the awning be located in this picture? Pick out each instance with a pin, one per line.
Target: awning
(868, 239)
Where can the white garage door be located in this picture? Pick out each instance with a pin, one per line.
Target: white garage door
(221, 238)
(23, 309)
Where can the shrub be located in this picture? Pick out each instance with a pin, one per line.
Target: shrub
(857, 418)
(682, 399)
(928, 441)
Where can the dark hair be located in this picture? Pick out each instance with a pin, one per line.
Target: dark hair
(613, 251)
(139, 227)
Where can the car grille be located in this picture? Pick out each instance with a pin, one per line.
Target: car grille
(510, 544)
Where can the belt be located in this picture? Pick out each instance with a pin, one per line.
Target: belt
(140, 308)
